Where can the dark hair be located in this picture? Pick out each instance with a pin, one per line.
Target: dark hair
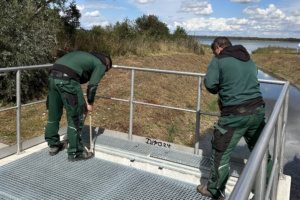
(221, 42)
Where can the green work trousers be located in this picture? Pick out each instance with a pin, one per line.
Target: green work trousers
(68, 94)
(228, 132)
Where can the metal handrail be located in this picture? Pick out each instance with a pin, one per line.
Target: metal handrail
(18, 96)
(256, 163)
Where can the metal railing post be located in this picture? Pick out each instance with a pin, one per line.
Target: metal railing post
(18, 102)
(197, 132)
(260, 183)
(285, 114)
(131, 105)
(278, 136)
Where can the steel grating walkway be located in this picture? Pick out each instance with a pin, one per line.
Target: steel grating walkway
(167, 154)
(40, 176)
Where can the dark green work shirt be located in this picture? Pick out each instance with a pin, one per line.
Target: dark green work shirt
(233, 75)
(88, 67)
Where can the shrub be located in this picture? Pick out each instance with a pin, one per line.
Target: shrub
(27, 38)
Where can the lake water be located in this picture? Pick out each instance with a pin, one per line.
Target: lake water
(252, 45)
(270, 94)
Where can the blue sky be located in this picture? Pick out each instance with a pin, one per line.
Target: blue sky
(251, 18)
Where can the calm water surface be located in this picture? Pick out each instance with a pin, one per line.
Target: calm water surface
(252, 45)
(271, 93)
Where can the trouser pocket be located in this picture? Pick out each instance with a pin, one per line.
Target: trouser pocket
(222, 137)
(71, 99)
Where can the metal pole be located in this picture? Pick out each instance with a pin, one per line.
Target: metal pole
(278, 131)
(260, 183)
(131, 105)
(285, 114)
(196, 149)
(18, 102)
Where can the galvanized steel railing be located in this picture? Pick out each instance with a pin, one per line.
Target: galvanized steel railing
(258, 159)
(257, 162)
(18, 98)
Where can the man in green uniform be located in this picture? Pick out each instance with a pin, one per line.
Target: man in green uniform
(65, 79)
(233, 76)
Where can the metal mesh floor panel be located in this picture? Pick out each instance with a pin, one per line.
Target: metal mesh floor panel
(126, 145)
(188, 159)
(191, 160)
(40, 176)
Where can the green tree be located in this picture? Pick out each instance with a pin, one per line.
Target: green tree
(179, 33)
(98, 30)
(28, 37)
(152, 27)
(71, 16)
(125, 29)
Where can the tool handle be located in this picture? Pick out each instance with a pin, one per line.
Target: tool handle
(91, 139)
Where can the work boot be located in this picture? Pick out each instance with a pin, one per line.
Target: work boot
(53, 150)
(84, 156)
(202, 189)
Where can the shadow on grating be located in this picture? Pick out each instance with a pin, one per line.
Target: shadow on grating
(40, 176)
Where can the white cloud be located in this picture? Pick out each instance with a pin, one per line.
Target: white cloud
(244, 1)
(103, 24)
(99, 6)
(143, 1)
(92, 14)
(296, 12)
(214, 24)
(80, 7)
(269, 14)
(95, 18)
(198, 8)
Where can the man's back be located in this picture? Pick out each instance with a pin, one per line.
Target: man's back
(234, 75)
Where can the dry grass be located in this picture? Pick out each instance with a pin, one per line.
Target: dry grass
(283, 66)
(159, 123)
(171, 90)
(33, 122)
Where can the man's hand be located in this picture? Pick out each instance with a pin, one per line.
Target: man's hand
(89, 109)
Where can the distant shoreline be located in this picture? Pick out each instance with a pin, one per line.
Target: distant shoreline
(249, 38)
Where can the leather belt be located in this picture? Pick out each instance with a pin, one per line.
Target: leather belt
(59, 75)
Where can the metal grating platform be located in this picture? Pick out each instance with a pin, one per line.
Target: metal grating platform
(40, 176)
(167, 154)
(192, 160)
(126, 145)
